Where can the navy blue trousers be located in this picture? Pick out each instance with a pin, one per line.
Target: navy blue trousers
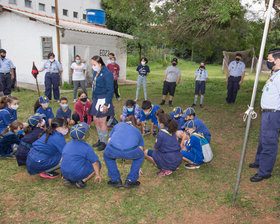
(6, 83)
(233, 87)
(268, 143)
(110, 155)
(52, 82)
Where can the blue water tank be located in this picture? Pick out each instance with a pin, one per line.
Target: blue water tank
(96, 16)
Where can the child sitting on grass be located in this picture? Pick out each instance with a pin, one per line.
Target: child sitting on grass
(42, 107)
(191, 146)
(36, 124)
(167, 155)
(79, 161)
(81, 112)
(8, 111)
(10, 140)
(131, 110)
(64, 111)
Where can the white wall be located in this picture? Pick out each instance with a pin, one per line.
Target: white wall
(79, 6)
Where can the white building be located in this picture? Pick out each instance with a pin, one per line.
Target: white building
(28, 33)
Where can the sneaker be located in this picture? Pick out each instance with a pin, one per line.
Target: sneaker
(80, 184)
(50, 175)
(162, 102)
(130, 184)
(191, 166)
(170, 103)
(135, 100)
(119, 99)
(10, 156)
(74, 101)
(57, 101)
(117, 183)
(254, 165)
(68, 183)
(147, 132)
(163, 173)
(201, 106)
(97, 144)
(101, 147)
(193, 105)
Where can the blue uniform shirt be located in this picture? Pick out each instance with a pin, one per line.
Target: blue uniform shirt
(6, 65)
(53, 67)
(271, 92)
(124, 136)
(44, 156)
(7, 116)
(62, 114)
(136, 112)
(48, 112)
(103, 85)
(236, 69)
(180, 121)
(143, 70)
(77, 159)
(201, 74)
(193, 145)
(151, 115)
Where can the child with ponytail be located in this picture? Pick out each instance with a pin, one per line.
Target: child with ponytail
(166, 154)
(8, 111)
(10, 140)
(42, 107)
(45, 154)
(32, 132)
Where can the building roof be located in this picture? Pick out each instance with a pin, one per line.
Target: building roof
(67, 24)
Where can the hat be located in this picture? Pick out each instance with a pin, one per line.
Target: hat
(175, 59)
(190, 124)
(44, 99)
(34, 119)
(188, 111)
(78, 131)
(177, 110)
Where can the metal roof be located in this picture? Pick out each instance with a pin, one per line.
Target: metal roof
(69, 25)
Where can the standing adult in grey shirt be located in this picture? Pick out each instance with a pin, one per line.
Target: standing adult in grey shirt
(171, 80)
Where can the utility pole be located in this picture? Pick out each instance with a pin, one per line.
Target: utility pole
(57, 36)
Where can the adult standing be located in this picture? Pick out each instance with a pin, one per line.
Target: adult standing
(52, 78)
(6, 74)
(78, 76)
(235, 76)
(171, 80)
(102, 95)
(270, 123)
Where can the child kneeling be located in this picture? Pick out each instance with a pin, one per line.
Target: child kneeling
(167, 155)
(79, 161)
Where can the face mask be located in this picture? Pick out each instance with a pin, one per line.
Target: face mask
(237, 59)
(96, 68)
(43, 122)
(270, 65)
(143, 63)
(130, 109)
(113, 62)
(64, 131)
(78, 61)
(3, 56)
(51, 60)
(14, 107)
(45, 105)
(202, 67)
(84, 99)
(174, 64)
(20, 132)
(64, 106)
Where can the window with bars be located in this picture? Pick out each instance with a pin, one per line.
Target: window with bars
(47, 46)
(41, 7)
(75, 14)
(28, 3)
(65, 12)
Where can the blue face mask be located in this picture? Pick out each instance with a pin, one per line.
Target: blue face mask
(20, 132)
(130, 109)
(64, 106)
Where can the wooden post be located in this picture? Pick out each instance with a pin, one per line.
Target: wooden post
(37, 87)
(57, 36)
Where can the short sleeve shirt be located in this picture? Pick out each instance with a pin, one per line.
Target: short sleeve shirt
(6, 65)
(143, 70)
(201, 74)
(236, 69)
(78, 71)
(48, 112)
(53, 67)
(62, 114)
(172, 73)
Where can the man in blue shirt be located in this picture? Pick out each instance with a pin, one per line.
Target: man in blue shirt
(6, 74)
(125, 142)
(235, 76)
(52, 78)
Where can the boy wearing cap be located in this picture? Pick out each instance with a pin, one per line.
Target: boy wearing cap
(148, 112)
(189, 114)
(35, 127)
(44, 108)
(191, 146)
(79, 161)
(171, 80)
(125, 142)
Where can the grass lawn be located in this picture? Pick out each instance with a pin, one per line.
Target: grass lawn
(186, 196)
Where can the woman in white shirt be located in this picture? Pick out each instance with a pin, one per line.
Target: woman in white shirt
(78, 75)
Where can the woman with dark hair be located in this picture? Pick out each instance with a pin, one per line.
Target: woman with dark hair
(102, 95)
(52, 78)
(45, 155)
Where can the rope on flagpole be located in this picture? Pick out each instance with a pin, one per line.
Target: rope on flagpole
(251, 112)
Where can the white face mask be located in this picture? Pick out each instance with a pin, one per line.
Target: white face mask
(96, 68)
(51, 60)
(143, 63)
(14, 107)
(45, 105)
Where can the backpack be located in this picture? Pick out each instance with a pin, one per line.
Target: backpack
(206, 148)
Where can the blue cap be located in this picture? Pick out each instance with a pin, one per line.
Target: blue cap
(188, 111)
(78, 131)
(177, 110)
(44, 99)
(190, 124)
(34, 119)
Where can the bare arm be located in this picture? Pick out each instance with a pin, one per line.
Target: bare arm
(178, 80)
(97, 174)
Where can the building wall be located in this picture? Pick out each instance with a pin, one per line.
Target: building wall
(79, 6)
